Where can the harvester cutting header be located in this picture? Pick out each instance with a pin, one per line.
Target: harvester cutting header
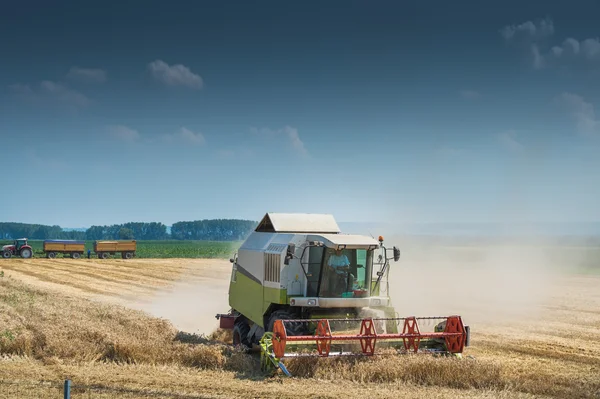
(298, 284)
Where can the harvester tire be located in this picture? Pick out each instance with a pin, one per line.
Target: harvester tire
(240, 334)
(291, 328)
(26, 253)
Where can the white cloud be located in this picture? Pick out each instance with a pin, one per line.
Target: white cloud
(531, 33)
(191, 137)
(557, 51)
(185, 135)
(588, 48)
(63, 93)
(583, 113)
(175, 75)
(87, 75)
(124, 133)
(571, 45)
(508, 139)
(470, 94)
(538, 58)
(292, 134)
(50, 91)
(287, 131)
(569, 50)
(529, 29)
(591, 47)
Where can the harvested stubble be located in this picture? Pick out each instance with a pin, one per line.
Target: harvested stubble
(56, 334)
(46, 327)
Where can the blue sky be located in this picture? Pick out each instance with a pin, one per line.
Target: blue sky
(373, 111)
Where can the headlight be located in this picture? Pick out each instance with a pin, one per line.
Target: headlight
(312, 302)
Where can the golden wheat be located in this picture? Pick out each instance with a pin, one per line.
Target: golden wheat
(46, 335)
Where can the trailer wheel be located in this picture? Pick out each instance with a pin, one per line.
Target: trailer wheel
(26, 253)
(104, 255)
(6, 254)
(75, 255)
(128, 255)
(51, 255)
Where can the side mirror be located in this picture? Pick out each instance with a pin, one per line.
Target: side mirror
(291, 249)
(231, 260)
(396, 254)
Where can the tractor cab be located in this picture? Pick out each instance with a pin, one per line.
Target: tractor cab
(19, 243)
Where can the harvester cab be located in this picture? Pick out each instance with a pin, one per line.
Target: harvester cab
(19, 247)
(298, 284)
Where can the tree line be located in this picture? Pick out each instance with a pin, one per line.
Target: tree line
(209, 230)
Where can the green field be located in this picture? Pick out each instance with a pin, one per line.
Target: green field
(162, 249)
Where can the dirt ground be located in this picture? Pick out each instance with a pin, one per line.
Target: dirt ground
(550, 345)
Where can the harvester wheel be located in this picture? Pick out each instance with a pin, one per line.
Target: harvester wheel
(240, 334)
(26, 253)
(291, 328)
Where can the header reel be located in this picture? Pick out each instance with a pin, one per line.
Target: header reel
(361, 337)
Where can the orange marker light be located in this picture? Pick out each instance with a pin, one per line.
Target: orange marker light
(380, 238)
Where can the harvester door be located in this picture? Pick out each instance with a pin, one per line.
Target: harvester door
(315, 259)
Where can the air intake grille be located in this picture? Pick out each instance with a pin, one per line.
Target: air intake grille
(272, 267)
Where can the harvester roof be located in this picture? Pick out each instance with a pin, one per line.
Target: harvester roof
(298, 223)
(349, 241)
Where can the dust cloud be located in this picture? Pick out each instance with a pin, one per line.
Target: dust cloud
(192, 303)
(487, 281)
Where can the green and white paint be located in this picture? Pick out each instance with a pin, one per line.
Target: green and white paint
(282, 266)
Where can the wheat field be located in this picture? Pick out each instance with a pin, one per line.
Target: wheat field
(148, 326)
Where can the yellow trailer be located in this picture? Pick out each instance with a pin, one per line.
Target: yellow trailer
(105, 248)
(68, 247)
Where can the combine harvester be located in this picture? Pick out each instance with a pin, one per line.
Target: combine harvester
(301, 288)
